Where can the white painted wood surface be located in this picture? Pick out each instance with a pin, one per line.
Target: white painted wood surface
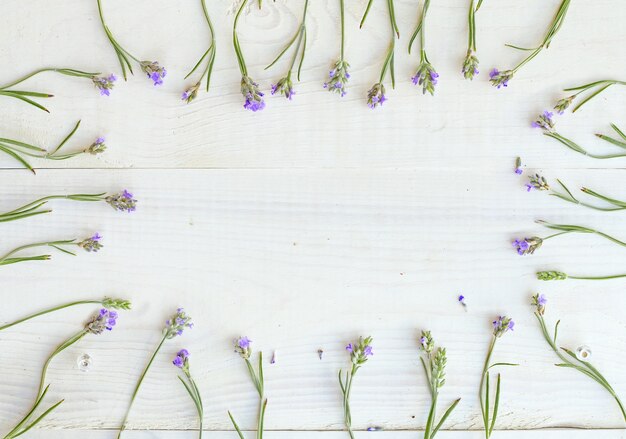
(313, 222)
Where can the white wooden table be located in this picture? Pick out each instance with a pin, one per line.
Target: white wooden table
(313, 222)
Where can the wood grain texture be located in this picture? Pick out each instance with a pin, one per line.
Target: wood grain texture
(306, 259)
(468, 124)
(313, 222)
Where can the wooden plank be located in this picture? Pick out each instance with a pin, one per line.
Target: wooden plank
(307, 259)
(465, 125)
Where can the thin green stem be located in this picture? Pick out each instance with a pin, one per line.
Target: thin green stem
(6, 259)
(141, 378)
(242, 63)
(484, 406)
(343, 25)
(47, 311)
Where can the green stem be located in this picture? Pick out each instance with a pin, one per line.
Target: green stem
(6, 259)
(615, 276)
(242, 63)
(483, 409)
(343, 25)
(390, 54)
(47, 311)
(141, 378)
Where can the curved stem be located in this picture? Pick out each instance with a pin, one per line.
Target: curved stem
(4, 260)
(47, 311)
(30, 75)
(141, 378)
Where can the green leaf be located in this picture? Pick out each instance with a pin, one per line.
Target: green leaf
(235, 425)
(495, 406)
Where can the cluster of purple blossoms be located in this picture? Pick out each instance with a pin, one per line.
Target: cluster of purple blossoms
(97, 147)
(376, 95)
(122, 201)
(284, 87)
(338, 78)
(470, 65)
(563, 104)
(154, 71)
(104, 83)
(242, 347)
(537, 182)
(426, 76)
(252, 94)
(500, 79)
(539, 301)
(91, 244)
(527, 246)
(544, 121)
(360, 351)
(427, 344)
(104, 320)
(502, 325)
(177, 324)
(191, 93)
(182, 359)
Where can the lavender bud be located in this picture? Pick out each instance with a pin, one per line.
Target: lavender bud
(91, 244)
(104, 83)
(154, 71)
(527, 246)
(122, 201)
(360, 351)
(539, 301)
(338, 78)
(502, 325)
(284, 87)
(551, 275)
(242, 347)
(116, 303)
(500, 79)
(97, 147)
(376, 95)
(252, 95)
(103, 320)
(177, 324)
(470, 65)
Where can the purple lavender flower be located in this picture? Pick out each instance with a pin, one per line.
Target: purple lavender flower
(360, 351)
(252, 95)
(544, 121)
(501, 325)
(539, 301)
(104, 83)
(177, 324)
(462, 301)
(97, 147)
(191, 93)
(564, 103)
(426, 76)
(242, 347)
(519, 171)
(284, 87)
(182, 359)
(91, 244)
(537, 182)
(500, 79)
(527, 246)
(122, 201)
(103, 320)
(376, 95)
(470, 65)
(427, 344)
(338, 78)
(154, 71)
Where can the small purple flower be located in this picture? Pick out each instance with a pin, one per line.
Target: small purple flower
(122, 201)
(537, 182)
(376, 95)
(519, 171)
(367, 351)
(103, 320)
(154, 71)
(252, 95)
(284, 87)
(427, 77)
(470, 65)
(527, 246)
(427, 344)
(243, 348)
(462, 301)
(563, 104)
(104, 83)
(97, 147)
(500, 79)
(360, 351)
(338, 78)
(501, 325)
(544, 121)
(349, 348)
(181, 359)
(91, 244)
(191, 93)
(177, 324)
(539, 301)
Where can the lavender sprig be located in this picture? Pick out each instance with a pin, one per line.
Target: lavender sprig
(107, 302)
(122, 201)
(338, 77)
(530, 245)
(26, 96)
(539, 183)
(91, 244)
(284, 86)
(152, 69)
(570, 360)
(244, 349)
(182, 362)
(192, 92)
(426, 76)
(470, 64)
(434, 368)
(599, 86)
(20, 150)
(359, 354)
(559, 275)
(501, 326)
(545, 121)
(376, 95)
(500, 79)
(104, 320)
(174, 327)
(253, 97)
